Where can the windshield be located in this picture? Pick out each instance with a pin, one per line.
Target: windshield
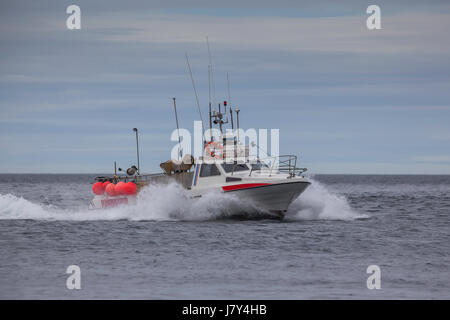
(231, 167)
(259, 165)
(209, 170)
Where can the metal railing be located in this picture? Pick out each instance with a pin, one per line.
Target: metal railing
(136, 178)
(288, 163)
(284, 163)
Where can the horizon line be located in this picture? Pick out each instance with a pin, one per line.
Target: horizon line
(359, 174)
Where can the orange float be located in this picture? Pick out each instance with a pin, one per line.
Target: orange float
(120, 188)
(130, 188)
(98, 188)
(111, 189)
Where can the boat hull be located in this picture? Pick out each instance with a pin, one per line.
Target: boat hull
(104, 201)
(266, 195)
(273, 197)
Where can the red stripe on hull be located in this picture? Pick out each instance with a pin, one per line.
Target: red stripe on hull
(114, 202)
(244, 186)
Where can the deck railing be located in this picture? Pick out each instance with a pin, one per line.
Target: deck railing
(284, 163)
(137, 178)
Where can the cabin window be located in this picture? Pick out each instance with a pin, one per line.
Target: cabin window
(231, 167)
(209, 170)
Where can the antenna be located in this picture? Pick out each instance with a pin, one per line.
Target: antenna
(196, 96)
(211, 70)
(231, 116)
(237, 120)
(229, 99)
(220, 119)
(137, 150)
(228, 86)
(178, 128)
(234, 137)
(209, 82)
(209, 89)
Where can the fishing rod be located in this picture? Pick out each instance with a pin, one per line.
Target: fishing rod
(178, 128)
(196, 96)
(212, 71)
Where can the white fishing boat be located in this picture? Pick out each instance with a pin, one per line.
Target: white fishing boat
(271, 184)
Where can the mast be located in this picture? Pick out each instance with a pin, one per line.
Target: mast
(237, 120)
(178, 128)
(210, 114)
(234, 137)
(210, 122)
(220, 119)
(137, 150)
(231, 116)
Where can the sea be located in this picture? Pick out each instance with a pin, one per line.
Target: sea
(345, 237)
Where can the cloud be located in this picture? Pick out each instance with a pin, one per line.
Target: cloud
(336, 90)
(401, 33)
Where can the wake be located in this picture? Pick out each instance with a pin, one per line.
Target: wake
(317, 203)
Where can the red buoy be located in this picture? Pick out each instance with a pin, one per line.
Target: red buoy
(120, 188)
(98, 188)
(111, 189)
(130, 188)
(106, 183)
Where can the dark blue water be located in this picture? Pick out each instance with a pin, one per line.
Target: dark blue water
(172, 247)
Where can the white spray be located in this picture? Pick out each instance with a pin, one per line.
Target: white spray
(172, 202)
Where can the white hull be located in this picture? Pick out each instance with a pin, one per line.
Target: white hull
(105, 201)
(273, 197)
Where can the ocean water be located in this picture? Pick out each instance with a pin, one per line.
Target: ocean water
(169, 246)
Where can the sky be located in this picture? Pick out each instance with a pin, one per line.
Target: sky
(345, 99)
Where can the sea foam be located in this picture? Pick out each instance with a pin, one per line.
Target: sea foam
(173, 203)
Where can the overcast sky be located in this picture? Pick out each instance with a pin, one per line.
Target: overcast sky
(345, 98)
